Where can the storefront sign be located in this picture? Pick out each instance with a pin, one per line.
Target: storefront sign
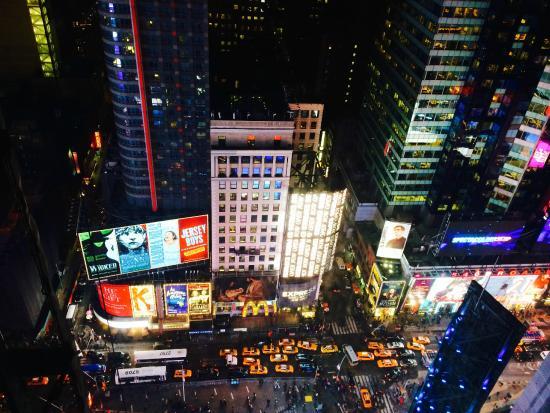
(253, 308)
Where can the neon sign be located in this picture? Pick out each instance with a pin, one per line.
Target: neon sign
(489, 239)
(540, 155)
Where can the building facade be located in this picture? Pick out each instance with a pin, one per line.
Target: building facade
(250, 167)
(156, 55)
(474, 350)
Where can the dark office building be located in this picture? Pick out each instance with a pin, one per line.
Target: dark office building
(156, 54)
(477, 345)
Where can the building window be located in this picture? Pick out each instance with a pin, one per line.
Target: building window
(244, 196)
(265, 207)
(263, 238)
(257, 160)
(278, 171)
(221, 219)
(221, 230)
(314, 113)
(221, 250)
(255, 196)
(254, 207)
(243, 218)
(255, 184)
(251, 140)
(245, 159)
(254, 218)
(279, 159)
(232, 208)
(233, 185)
(233, 196)
(311, 135)
(264, 228)
(267, 171)
(302, 136)
(262, 258)
(268, 159)
(222, 173)
(244, 185)
(245, 171)
(273, 238)
(232, 218)
(251, 268)
(252, 238)
(277, 196)
(232, 239)
(221, 185)
(275, 218)
(266, 196)
(232, 229)
(221, 240)
(221, 208)
(264, 218)
(243, 207)
(276, 207)
(242, 239)
(221, 196)
(255, 172)
(278, 184)
(313, 125)
(267, 184)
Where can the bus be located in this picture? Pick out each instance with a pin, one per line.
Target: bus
(351, 355)
(140, 375)
(174, 355)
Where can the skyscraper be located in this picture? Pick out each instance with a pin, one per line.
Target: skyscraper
(477, 345)
(156, 54)
(443, 84)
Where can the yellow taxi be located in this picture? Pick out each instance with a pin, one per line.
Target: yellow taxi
(258, 369)
(383, 353)
(421, 340)
(374, 345)
(365, 356)
(270, 349)
(290, 350)
(38, 381)
(387, 363)
(415, 346)
(250, 361)
(228, 352)
(185, 372)
(284, 368)
(329, 348)
(251, 351)
(286, 342)
(278, 358)
(365, 398)
(307, 345)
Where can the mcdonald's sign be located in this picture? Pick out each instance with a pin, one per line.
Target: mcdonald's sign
(252, 308)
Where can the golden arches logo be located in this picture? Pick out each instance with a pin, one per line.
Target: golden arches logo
(254, 307)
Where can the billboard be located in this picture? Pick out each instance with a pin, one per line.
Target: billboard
(199, 298)
(175, 299)
(481, 238)
(142, 247)
(540, 155)
(115, 299)
(390, 293)
(143, 300)
(393, 239)
(245, 288)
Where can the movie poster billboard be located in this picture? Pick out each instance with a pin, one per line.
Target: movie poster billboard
(142, 247)
(175, 299)
(393, 239)
(193, 233)
(199, 298)
(448, 290)
(390, 293)
(143, 300)
(114, 299)
(245, 288)
(133, 248)
(100, 252)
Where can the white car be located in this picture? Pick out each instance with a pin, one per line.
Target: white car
(394, 345)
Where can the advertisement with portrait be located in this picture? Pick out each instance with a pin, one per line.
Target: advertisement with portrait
(245, 288)
(143, 300)
(133, 248)
(446, 290)
(199, 298)
(390, 293)
(193, 238)
(418, 293)
(114, 299)
(100, 252)
(481, 238)
(164, 245)
(175, 299)
(393, 239)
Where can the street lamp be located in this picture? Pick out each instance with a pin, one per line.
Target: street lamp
(182, 382)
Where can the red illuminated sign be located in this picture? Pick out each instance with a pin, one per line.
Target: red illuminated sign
(96, 140)
(115, 299)
(193, 233)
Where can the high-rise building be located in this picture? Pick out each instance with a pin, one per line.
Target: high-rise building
(443, 83)
(156, 54)
(536, 396)
(474, 350)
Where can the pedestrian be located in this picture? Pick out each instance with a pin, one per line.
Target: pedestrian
(253, 397)
(267, 403)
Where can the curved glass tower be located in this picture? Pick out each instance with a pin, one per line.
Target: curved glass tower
(156, 53)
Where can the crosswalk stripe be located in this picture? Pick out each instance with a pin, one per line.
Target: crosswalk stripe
(365, 381)
(348, 327)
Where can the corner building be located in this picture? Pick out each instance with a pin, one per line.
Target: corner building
(250, 164)
(156, 53)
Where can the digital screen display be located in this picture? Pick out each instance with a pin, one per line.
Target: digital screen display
(175, 299)
(540, 155)
(133, 248)
(390, 293)
(481, 238)
(393, 239)
(245, 288)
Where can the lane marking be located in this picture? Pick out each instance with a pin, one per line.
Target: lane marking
(215, 392)
(248, 391)
(231, 394)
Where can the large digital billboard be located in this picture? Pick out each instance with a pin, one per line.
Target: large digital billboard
(175, 299)
(393, 239)
(141, 247)
(245, 288)
(199, 298)
(143, 300)
(540, 155)
(390, 293)
(115, 299)
(481, 238)
(543, 239)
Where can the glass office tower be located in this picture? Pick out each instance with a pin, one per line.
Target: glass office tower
(156, 54)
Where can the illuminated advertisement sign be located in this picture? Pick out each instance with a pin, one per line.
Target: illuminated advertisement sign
(115, 299)
(418, 292)
(175, 299)
(199, 298)
(298, 294)
(540, 155)
(244, 288)
(142, 247)
(143, 300)
(481, 238)
(390, 293)
(393, 239)
(543, 240)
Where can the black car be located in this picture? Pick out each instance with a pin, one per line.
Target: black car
(406, 354)
(306, 367)
(408, 363)
(304, 357)
(208, 373)
(236, 371)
